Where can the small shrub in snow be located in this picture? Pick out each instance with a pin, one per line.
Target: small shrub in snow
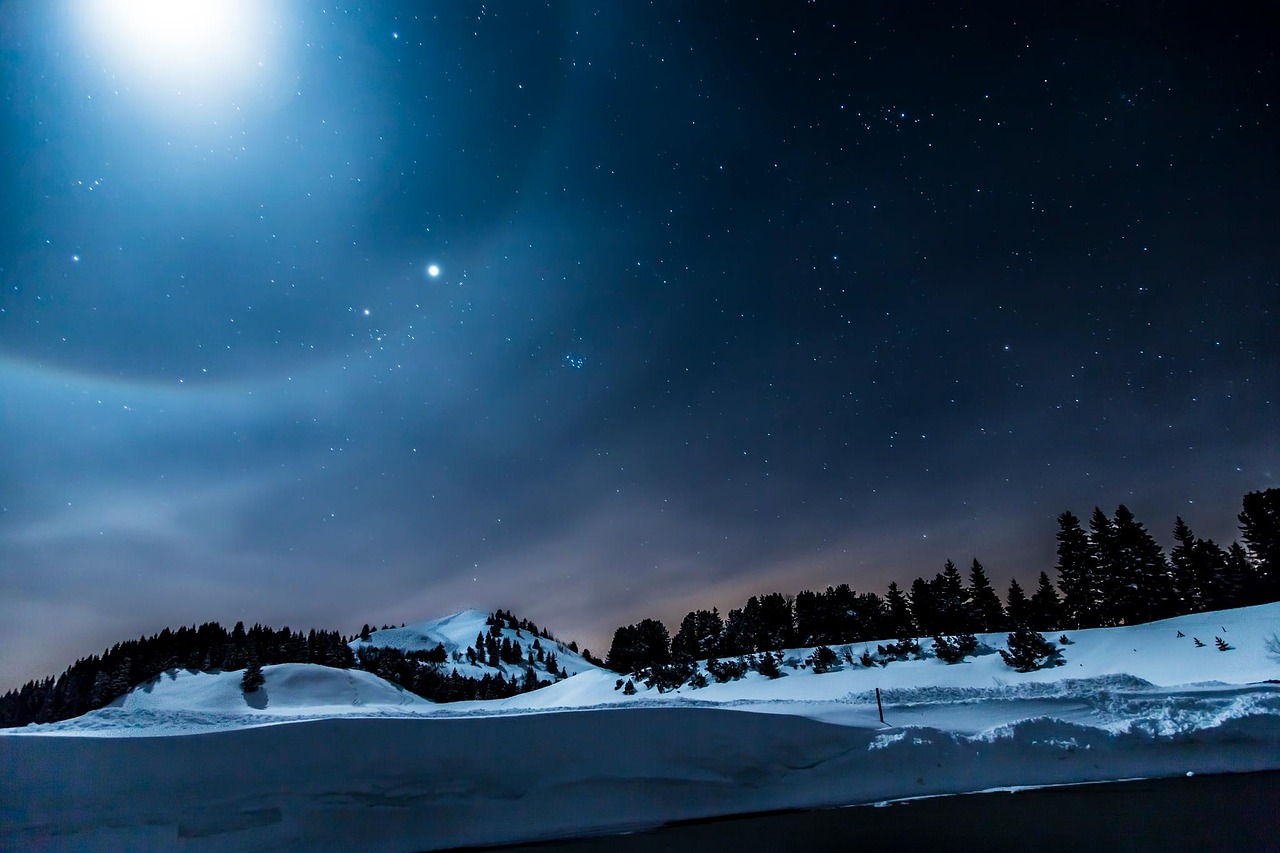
(726, 670)
(866, 659)
(1029, 650)
(767, 665)
(1223, 645)
(630, 688)
(905, 649)
(698, 680)
(1272, 645)
(1199, 644)
(823, 659)
(954, 649)
(1063, 641)
(669, 676)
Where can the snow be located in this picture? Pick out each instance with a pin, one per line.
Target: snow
(458, 632)
(189, 762)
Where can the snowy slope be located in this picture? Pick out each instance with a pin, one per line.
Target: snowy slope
(459, 631)
(289, 687)
(1152, 653)
(581, 757)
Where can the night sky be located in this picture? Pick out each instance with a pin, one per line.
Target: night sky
(729, 298)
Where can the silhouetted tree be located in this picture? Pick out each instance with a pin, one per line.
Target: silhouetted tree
(950, 600)
(924, 607)
(898, 623)
(985, 611)
(699, 635)
(1077, 574)
(1260, 528)
(1045, 607)
(1018, 608)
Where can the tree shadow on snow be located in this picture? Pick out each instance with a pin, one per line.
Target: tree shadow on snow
(257, 699)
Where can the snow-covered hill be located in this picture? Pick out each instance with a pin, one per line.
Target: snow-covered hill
(1128, 702)
(460, 632)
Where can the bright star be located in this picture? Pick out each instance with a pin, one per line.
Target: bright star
(433, 270)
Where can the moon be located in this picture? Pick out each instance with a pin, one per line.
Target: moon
(171, 52)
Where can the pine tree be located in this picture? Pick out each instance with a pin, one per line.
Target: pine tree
(924, 607)
(1111, 572)
(951, 600)
(1260, 528)
(252, 678)
(1077, 574)
(898, 619)
(1029, 651)
(1147, 591)
(699, 635)
(1188, 573)
(1045, 607)
(1019, 609)
(986, 614)
(1237, 587)
(1215, 584)
(954, 649)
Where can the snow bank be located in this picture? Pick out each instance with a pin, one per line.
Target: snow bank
(289, 687)
(428, 784)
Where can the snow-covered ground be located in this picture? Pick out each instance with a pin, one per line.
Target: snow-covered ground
(189, 762)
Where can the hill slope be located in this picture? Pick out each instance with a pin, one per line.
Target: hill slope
(459, 631)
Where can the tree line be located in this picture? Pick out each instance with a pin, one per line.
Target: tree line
(98, 680)
(1115, 573)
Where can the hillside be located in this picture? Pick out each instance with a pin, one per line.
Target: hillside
(459, 632)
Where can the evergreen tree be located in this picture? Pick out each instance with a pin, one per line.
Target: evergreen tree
(1029, 651)
(1147, 590)
(777, 624)
(1190, 576)
(924, 608)
(636, 647)
(1018, 609)
(954, 649)
(898, 614)
(699, 635)
(1111, 572)
(1238, 585)
(1260, 529)
(951, 600)
(986, 614)
(1045, 606)
(1211, 567)
(739, 634)
(1077, 574)
(252, 678)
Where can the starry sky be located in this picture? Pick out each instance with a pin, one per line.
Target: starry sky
(320, 314)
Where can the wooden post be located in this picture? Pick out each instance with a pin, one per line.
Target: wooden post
(879, 706)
